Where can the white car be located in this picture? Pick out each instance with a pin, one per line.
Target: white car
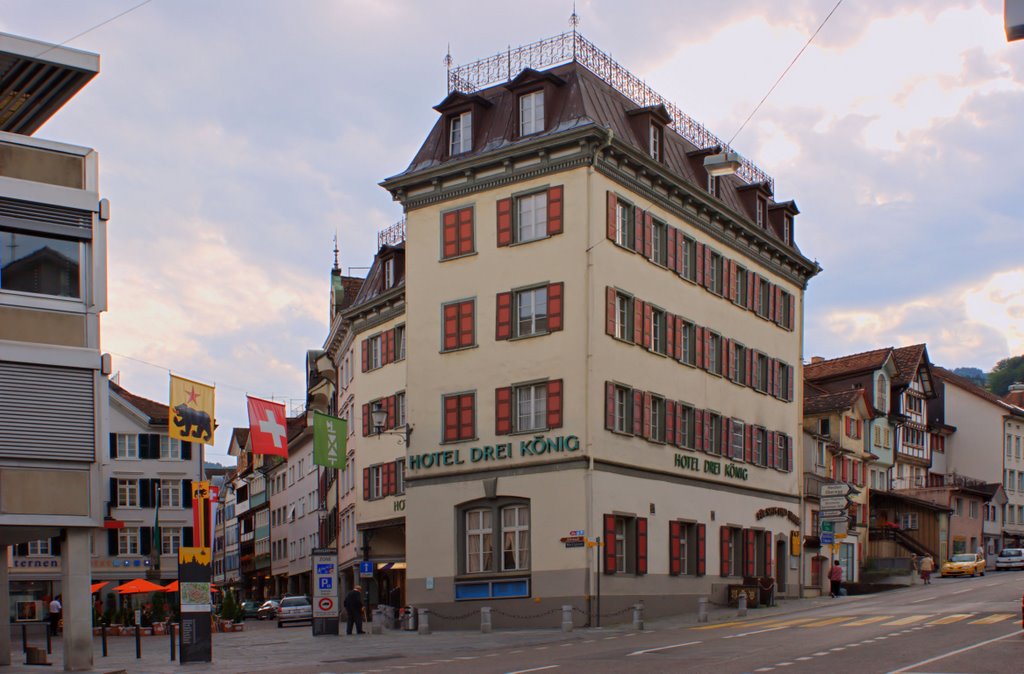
(1010, 558)
(294, 610)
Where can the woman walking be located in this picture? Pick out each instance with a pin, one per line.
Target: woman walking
(835, 577)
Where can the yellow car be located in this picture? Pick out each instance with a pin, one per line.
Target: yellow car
(964, 565)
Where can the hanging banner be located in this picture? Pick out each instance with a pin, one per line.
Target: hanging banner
(191, 412)
(200, 514)
(194, 637)
(268, 427)
(330, 439)
(325, 591)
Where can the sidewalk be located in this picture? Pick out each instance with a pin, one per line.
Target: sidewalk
(264, 648)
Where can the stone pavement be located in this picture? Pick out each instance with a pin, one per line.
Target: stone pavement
(264, 648)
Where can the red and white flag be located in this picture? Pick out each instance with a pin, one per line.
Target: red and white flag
(268, 427)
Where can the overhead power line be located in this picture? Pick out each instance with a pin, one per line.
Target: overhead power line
(92, 28)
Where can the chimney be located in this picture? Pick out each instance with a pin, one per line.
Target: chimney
(1016, 395)
(817, 359)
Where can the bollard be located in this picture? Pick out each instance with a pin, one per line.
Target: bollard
(638, 616)
(103, 639)
(24, 638)
(702, 610)
(138, 643)
(170, 630)
(566, 618)
(377, 621)
(485, 619)
(424, 626)
(741, 603)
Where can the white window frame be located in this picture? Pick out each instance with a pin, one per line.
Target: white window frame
(531, 113)
(659, 331)
(400, 419)
(170, 540)
(460, 133)
(534, 301)
(658, 427)
(623, 402)
(736, 442)
(515, 538)
(654, 144)
(482, 531)
(623, 223)
(128, 541)
(376, 351)
(40, 548)
(169, 489)
(127, 493)
(170, 448)
(531, 407)
(531, 217)
(623, 317)
(127, 445)
(400, 342)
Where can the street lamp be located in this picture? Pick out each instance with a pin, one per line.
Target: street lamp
(722, 164)
(379, 417)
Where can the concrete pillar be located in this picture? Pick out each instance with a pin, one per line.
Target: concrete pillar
(76, 576)
(741, 605)
(424, 621)
(5, 614)
(485, 619)
(702, 610)
(638, 616)
(567, 618)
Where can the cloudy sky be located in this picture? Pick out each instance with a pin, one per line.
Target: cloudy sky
(237, 137)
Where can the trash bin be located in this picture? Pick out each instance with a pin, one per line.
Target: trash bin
(408, 619)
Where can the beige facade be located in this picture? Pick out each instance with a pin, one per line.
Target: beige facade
(521, 458)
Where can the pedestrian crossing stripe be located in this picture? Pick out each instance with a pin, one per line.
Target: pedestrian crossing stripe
(734, 623)
(868, 621)
(911, 619)
(828, 621)
(954, 618)
(994, 618)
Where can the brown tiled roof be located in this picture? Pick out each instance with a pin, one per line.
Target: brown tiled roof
(351, 285)
(296, 425)
(908, 361)
(583, 99)
(965, 383)
(157, 412)
(240, 436)
(373, 286)
(846, 365)
(832, 402)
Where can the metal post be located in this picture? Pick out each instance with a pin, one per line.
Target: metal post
(597, 570)
(424, 626)
(638, 616)
(103, 639)
(24, 638)
(49, 639)
(702, 609)
(138, 643)
(170, 630)
(566, 618)
(485, 619)
(741, 603)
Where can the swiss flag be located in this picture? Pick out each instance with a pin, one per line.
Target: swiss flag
(268, 427)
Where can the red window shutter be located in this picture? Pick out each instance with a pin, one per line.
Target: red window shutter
(451, 418)
(504, 222)
(609, 405)
(777, 380)
(768, 555)
(638, 321)
(679, 338)
(647, 414)
(675, 562)
(698, 430)
(670, 236)
(748, 443)
(751, 291)
(555, 210)
(701, 549)
(726, 436)
(670, 421)
(555, 305)
(467, 417)
(641, 546)
(648, 234)
(393, 340)
(670, 335)
(555, 403)
(391, 408)
(750, 554)
(366, 484)
(835, 467)
(771, 448)
(451, 326)
(724, 533)
(638, 413)
(863, 473)
(610, 313)
(726, 266)
(699, 339)
(648, 318)
(609, 544)
(726, 345)
(385, 480)
(613, 203)
(638, 230)
(366, 419)
(503, 410)
(385, 348)
(366, 355)
(503, 317)
(466, 242)
(700, 264)
(466, 323)
(771, 300)
(449, 235)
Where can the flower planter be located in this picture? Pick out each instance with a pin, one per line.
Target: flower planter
(147, 631)
(159, 628)
(225, 626)
(238, 628)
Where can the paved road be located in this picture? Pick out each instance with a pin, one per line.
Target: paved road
(955, 625)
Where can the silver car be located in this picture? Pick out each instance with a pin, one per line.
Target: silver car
(1010, 558)
(294, 610)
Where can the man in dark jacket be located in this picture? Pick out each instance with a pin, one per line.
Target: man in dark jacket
(354, 609)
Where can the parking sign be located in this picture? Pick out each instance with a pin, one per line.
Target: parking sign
(326, 582)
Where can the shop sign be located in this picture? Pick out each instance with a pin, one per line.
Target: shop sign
(694, 464)
(36, 563)
(776, 511)
(539, 445)
(573, 541)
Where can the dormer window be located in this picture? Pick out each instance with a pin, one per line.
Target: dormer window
(655, 142)
(531, 113)
(787, 228)
(712, 185)
(389, 273)
(761, 210)
(461, 136)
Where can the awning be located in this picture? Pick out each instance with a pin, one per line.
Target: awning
(138, 586)
(97, 586)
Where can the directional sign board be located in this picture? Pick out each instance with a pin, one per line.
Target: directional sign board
(824, 514)
(834, 490)
(827, 538)
(325, 591)
(827, 526)
(835, 518)
(833, 502)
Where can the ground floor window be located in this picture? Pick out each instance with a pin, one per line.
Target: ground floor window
(507, 521)
(686, 551)
(625, 550)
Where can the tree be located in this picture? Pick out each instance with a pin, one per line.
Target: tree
(972, 373)
(1006, 372)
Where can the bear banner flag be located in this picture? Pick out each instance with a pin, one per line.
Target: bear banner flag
(191, 411)
(268, 427)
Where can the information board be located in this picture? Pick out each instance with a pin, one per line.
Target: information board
(325, 591)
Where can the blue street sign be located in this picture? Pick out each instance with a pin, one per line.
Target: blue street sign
(366, 569)
(325, 569)
(827, 538)
(326, 583)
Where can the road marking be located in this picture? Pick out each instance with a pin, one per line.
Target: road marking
(954, 618)
(911, 619)
(631, 634)
(564, 645)
(969, 589)
(535, 669)
(662, 648)
(804, 657)
(868, 621)
(747, 634)
(607, 638)
(764, 669)
(1015, 633)
(829, 621)
(589, 641)
(783, 664)
(820, 653)
(733, 623)
(918, 601)
(492, 655)
(518, 651)
(881, 638)
(853, 645)
(837, 649)
(466, 657)
(541, 648)
(994, 618)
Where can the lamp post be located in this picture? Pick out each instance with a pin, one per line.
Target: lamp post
(379, 416)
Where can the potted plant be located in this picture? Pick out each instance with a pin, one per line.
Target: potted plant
(228, 612)
(159, 616)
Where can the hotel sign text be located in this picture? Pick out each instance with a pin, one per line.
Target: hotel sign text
(539, 445)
